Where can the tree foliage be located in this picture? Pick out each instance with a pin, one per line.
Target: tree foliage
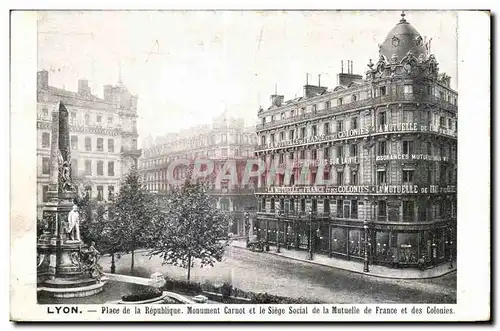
(192, 228)
(131, 214)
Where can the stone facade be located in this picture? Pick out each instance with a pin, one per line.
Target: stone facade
(103, 136)
(225, 139)
(378, 153)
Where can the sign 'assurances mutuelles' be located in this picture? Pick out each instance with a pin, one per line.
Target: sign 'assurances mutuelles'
(362, 189)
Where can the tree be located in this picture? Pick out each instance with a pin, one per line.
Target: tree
(131, 214)
(192, 228)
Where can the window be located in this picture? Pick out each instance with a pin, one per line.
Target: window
(340, 205)
(450, 124)
(73, 117)
(272, 205)
(282, 136)
(354, 98)
(291, 156)
(302, 132)
(382, 209)
(111, 168)
(45, 112)
(314, 131)
(224, 152)
(302, 154)
(292, 205)
(408, 176)
(326, 206)
(326, 153)
(100, 168)
(292, 113)
(408, 147)
(382, 90)
(429, 90)
(442, 121)
(408, 211)
(111, 191)
(88, 167)
(74, 167)
(382, 148)
(340, 178)
(408, 89)
(381, 177)
(100, 144)
(429, 148)
(313, 108)
(281, 158)
(328, 104)
(88, 191)
(272, 118)
(455, 101)
(262, 205)
(111, 145)
(45, 165)
(263, 140)
(354, 123)
(100, 192)
(302, 110)
(354, 150)
(339, 102)
(441, 95)
(45, 140)
(314, 154)
(354, 208)
(290, 135)
(302, 205)
(45, 189)
(110, 121)
(74, 143)
(263, 120)
(88, 144)
(340, 125)
(99, 119)
(272, 138)
(354, 178)
(381, 118)
(87, 119)
(340, 151)
(282, 116)
(326, 128)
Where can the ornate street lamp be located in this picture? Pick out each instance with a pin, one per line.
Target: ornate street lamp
(288, 235)
(247, 227)
(450, 241)
(365, 226)
(278, 232)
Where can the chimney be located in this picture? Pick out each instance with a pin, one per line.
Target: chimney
(349, 77)
(83, 87)
(42, 78)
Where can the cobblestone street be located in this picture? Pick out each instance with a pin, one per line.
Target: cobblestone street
(262, 272)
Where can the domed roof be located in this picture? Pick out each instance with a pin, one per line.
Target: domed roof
(402, 39)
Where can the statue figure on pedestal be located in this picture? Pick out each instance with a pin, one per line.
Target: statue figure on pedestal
(90, 257)
(74, 224)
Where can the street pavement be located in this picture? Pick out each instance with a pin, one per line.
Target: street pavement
(263, 272)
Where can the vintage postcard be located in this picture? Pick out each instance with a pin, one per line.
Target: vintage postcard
(244, 165)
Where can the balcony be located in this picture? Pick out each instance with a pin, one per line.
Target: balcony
(389, 98)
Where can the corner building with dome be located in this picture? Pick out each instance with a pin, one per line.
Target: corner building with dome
(371, 165)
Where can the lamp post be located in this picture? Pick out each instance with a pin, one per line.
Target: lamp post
(310, 237)
(113, 267)
(365, 226)
(288, 235)
(278, 232)
(247, 227)
(451, 247)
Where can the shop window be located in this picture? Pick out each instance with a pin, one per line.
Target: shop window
(382, 251)
(407, 244)
(408, 211)
(356, 243)
(339, 240)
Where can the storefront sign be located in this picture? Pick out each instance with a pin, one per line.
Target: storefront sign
(362, 189)
(424, 157)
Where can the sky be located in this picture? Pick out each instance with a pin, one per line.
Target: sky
(187, 67)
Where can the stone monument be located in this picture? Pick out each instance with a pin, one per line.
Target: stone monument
(65, 266)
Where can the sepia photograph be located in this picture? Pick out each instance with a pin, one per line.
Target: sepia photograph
(201, 162)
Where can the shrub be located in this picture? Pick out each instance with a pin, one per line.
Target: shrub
(143, 294)
(226, 289)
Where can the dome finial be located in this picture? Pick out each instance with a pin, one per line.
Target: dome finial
(403, 20)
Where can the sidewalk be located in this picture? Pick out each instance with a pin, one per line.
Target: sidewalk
(356, 266)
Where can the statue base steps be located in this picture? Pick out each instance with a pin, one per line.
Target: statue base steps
(71, 288)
